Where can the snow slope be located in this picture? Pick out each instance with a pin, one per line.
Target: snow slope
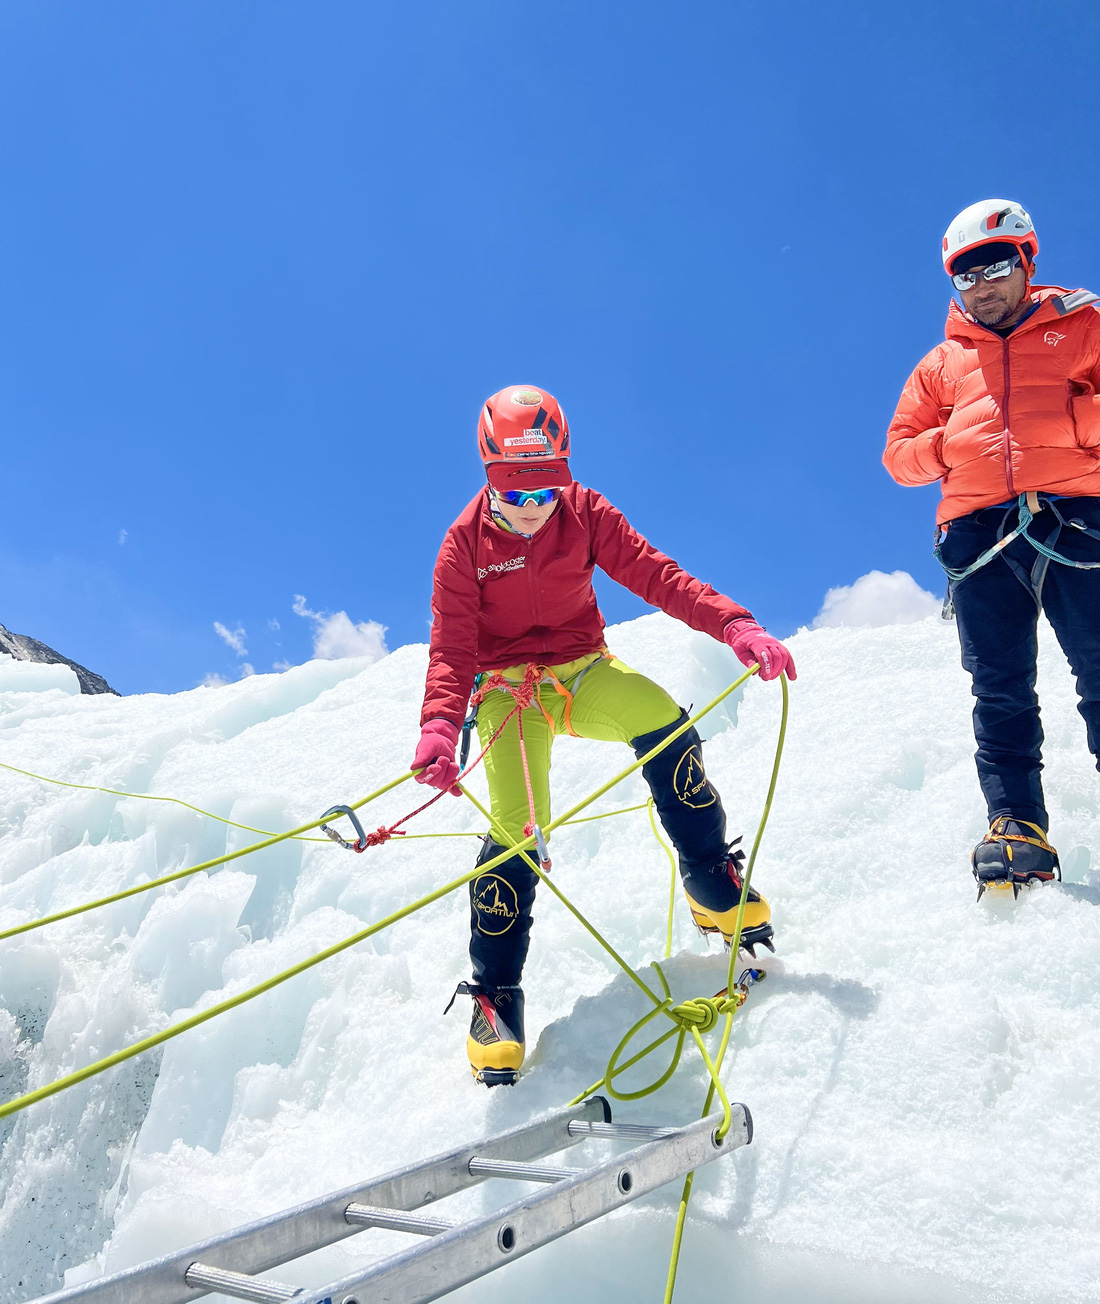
(924, 1073)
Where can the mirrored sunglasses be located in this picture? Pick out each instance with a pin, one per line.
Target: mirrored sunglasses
(521, 497)
(994, 272)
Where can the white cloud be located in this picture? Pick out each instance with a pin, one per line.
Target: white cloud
(247, 670)
(122, 536)
(233, 637)
(877, 599)
(273, 624)
(336, 635)
(214, 680)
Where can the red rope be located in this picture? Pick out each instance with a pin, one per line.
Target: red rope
(529, 827)
(524, 695)
(523, 692)
(383, 834)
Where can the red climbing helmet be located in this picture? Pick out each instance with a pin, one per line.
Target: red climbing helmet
(523, 439)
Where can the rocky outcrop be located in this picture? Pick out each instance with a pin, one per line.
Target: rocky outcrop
(29, 649)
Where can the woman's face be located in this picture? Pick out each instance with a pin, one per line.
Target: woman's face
(529, 518)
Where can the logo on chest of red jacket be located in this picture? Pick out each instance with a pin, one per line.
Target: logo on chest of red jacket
(1052, 337)
(500, 567)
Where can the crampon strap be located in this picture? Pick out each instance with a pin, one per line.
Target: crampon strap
(997, 833)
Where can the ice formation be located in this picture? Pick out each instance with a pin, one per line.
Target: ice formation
(924, 1073)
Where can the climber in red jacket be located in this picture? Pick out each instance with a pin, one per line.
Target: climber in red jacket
(513, 607)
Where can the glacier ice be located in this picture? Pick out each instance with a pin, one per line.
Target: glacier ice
(924, 1073)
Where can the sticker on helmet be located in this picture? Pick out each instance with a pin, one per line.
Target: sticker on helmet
(533, 436)
(528, 397)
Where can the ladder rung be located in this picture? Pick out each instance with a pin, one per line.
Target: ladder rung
(621, 1131)
(239, 1284)
(394, 1220)
(520, 1172)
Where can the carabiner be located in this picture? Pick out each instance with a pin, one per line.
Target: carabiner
(360, 844)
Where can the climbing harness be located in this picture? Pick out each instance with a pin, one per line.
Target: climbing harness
(1029, 505)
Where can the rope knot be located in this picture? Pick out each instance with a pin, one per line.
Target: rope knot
(701, 1013)
(522, 693)
(381, 835)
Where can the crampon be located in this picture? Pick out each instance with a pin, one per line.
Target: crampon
(756, 930)
(1013, 854)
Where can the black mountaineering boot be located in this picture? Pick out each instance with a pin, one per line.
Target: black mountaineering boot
(1012, 854)
(714, 896)
(495, 1044)
(691, 812)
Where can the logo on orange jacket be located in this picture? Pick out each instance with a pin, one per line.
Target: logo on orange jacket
(1052, 337)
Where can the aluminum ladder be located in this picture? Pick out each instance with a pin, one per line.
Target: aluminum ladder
(451, 1253)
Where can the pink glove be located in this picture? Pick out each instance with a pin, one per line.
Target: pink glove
(435, 756)
(754, 646)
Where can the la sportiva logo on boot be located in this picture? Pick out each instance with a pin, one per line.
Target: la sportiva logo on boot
(690, 782)
(496, 905)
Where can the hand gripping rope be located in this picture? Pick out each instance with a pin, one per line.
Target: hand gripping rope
(384, 833)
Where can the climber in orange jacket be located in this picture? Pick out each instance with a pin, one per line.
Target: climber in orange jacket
(1005, 414)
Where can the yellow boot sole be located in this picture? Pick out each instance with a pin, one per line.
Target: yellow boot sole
(756, 929)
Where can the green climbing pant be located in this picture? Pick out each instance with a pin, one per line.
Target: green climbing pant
(610, 702)
(595, 696)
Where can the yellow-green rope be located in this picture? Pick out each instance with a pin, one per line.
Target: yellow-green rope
(166, 1034)
(271, 840)
(146, 796)
(192, 869)
(685, 1196)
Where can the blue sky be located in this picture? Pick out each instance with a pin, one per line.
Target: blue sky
(261, 261)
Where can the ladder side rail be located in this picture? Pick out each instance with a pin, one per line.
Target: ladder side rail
(434, 1268)
(265, 1244)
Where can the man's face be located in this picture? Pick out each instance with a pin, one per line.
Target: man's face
(993, 302)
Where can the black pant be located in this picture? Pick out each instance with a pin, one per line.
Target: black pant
(691, 812)
(997, 609)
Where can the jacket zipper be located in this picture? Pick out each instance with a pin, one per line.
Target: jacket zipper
(532, 582)
(1007, 437)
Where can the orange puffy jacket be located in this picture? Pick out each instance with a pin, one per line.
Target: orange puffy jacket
(992, 418)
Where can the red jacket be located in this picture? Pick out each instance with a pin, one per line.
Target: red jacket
(992, 418)
(502, 599)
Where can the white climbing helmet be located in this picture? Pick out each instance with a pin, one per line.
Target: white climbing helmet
(999, 221)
